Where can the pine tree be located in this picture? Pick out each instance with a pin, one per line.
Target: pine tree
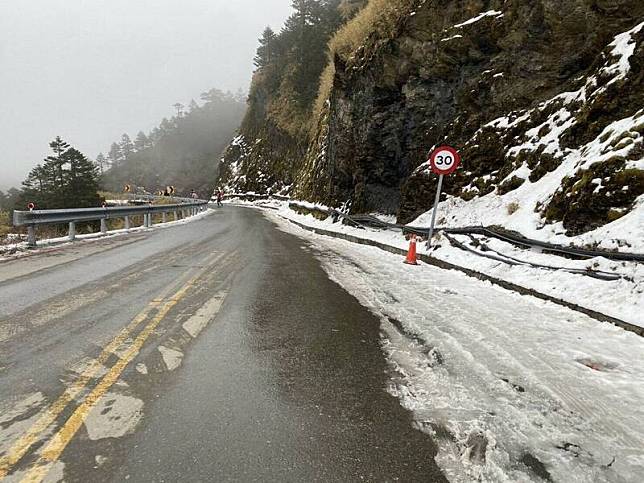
(265, 51)
(115, 156)
(155, 136)
(126, 146)
(141, 142)
(81, 183)
(212, 96)
(102, 162)
(305, 37)
(166, 126)
(67, 179)
(59, 147)
(179, 107)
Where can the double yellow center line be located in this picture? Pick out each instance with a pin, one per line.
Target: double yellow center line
(59, 441)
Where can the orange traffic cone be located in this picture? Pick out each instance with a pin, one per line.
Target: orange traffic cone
(411, 255)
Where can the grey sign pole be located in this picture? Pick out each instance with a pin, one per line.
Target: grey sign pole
(438, 198)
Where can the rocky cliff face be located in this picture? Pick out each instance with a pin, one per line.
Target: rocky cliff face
(543, 98)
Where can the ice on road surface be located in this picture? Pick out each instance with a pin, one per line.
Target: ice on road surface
(512, 388)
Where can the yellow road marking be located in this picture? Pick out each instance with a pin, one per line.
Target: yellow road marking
(62, 438)
(22, 445)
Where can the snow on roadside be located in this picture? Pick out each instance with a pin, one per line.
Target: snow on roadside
(522, 209)
(509, 386)
(623, 299)
(17, 250)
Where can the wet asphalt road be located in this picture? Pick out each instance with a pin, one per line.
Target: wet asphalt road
(252, 364)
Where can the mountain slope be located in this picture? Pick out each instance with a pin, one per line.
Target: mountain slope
(543, 99)
(182, 152)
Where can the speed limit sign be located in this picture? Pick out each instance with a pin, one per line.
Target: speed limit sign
(445, 160)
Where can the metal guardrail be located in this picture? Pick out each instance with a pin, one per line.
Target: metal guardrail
(32, 219)
(517, 240)
(136, 198)
(255, 197)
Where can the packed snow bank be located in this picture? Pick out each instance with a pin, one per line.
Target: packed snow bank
(510, 387)
(622, 298)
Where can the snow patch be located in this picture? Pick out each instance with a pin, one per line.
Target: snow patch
(114, 416)
(17, 415)
(489, 13)
(171, 357)
(195, 324)
(141, 368)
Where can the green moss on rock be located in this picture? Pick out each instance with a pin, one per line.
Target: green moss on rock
(510, 185)
(583, 205)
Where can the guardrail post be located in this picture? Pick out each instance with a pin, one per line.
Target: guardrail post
(31, 236)
(103, 226)
(163, 217)
(176, 215)
(72, 230)
(149, 225)
(127, 222)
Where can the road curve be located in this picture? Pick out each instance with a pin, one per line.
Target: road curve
(217, 350)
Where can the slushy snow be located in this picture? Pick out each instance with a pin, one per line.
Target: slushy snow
(508, 385)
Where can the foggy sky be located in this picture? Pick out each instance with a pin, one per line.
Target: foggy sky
(90, 70)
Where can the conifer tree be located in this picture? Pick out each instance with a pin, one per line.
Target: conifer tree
(101, 162)
(266, 48)
(114, 155)
(58, 146)
(81, 184)
(141, 142)
(66, 179)
(126, 146)
(179, 107)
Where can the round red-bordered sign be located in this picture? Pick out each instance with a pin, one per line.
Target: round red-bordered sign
(445, 160)
(31, 206)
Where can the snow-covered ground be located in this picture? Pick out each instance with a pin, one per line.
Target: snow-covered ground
(622, 298)
(522, 209)
(511, 387)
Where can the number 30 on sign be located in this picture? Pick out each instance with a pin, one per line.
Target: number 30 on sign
(445, 160)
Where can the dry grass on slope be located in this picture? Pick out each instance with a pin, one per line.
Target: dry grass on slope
(379, 19)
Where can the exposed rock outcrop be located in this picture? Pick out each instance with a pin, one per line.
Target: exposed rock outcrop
(540, 97)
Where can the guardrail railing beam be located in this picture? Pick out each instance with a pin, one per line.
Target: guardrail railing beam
(71, 217)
